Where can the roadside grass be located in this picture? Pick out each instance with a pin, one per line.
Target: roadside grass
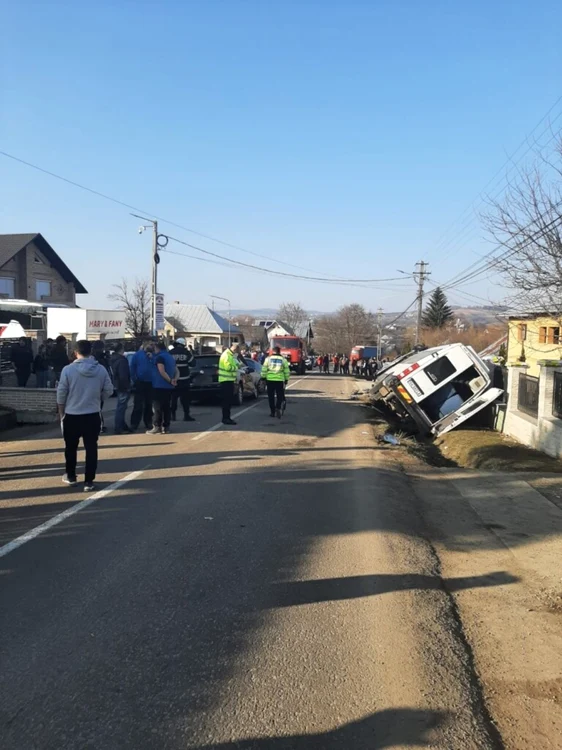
(493, 451)
(469, 448)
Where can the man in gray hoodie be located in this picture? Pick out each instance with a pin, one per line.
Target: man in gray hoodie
(82, 387)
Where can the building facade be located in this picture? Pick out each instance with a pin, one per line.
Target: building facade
(532, 338)
(31, 270)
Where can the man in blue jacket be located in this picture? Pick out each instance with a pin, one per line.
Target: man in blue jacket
(164, 380)
(141, 378)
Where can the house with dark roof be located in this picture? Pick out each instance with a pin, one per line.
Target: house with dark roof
(202, 327)
(31, 270)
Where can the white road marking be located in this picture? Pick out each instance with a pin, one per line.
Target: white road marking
(33, 533)
(218, 425)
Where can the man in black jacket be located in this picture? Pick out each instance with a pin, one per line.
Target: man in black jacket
(184, 359)
(122, 383)
(58, 357)
(22, 359)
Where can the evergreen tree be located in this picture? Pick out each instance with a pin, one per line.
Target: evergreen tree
(437, 313)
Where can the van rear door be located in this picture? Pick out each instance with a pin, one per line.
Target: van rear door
(468, 409)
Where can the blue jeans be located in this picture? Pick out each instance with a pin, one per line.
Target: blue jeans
(120, 410)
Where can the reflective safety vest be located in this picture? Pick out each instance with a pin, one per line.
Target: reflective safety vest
(228, 367)
(276, 368)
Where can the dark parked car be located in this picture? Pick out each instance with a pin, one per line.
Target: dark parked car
(205, 380)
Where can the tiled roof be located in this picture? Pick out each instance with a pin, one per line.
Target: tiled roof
(11, 244)
(198, 319)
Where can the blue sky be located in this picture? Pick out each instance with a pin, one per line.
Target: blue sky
(342, 137)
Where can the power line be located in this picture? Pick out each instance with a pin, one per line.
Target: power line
(459, 238)
(466, 233)
(454, 282)
(229, 263)
(398, 317)
(506, 162)
(118, 202)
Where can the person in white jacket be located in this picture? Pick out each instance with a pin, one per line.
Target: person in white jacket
(83, 385)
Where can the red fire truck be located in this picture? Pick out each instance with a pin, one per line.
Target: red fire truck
(294, 349)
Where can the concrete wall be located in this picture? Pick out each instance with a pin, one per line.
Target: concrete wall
(544, 433)
(32, 405)
(26, 271)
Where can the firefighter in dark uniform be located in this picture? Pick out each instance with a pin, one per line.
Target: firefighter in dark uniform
(184, 359)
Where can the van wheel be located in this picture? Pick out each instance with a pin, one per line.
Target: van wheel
(256, 393)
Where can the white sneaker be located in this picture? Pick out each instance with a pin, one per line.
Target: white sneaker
(67, 480)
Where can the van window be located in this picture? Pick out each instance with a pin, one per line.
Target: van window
(440, 370)
(452, 395)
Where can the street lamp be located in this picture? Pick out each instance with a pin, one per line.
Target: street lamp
(224, 299)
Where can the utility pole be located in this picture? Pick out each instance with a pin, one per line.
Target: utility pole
(379, 343)
(156, 245)
(420, 275)
(154, 282)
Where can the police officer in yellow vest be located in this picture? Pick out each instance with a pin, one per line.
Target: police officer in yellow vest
(275, 371)
(228, 375)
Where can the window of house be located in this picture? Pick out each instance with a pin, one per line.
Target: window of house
(542, 335)
(7, 286)
(42, 289)
(522, 332)
(553, 335)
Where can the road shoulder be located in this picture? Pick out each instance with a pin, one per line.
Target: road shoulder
(484, 522)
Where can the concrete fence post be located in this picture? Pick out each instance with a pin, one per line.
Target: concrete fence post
(513, 373)
(546, 386)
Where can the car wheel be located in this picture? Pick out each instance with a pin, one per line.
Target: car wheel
(262, 387)
(255, 393)
(239, 397)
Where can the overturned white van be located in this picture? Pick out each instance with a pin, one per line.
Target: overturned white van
(438, 389)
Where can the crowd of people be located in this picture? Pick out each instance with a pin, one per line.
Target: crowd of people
(158, 377)
(46, 365)
(344, 365)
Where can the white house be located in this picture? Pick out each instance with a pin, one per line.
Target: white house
(200, 326)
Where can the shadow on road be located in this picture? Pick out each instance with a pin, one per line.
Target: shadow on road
(295, 593)
(384, 729)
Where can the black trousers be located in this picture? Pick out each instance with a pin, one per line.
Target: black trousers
(142, 405)
(22, 377)
(227, 396)
(87, 427)
(275, 394)
(182, 393)
(161, 405)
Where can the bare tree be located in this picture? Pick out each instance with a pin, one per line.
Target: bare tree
(526, 223)
(293, 314)
(135, 301)
(349, 326)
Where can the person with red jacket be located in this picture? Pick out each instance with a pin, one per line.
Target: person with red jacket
(336, 361)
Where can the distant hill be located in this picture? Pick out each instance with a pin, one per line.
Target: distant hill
(471, 316)
(476, 316)
(266, 312)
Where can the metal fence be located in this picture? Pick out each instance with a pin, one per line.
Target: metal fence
(557, 395)
(528, 395)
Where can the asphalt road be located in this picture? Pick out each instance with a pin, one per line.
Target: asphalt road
(267, 586)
